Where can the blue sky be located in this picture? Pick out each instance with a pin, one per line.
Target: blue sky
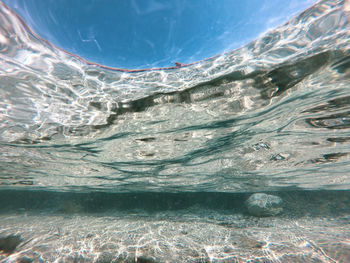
(152, 33)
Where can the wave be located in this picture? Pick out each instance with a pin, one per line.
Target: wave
(44, 88)
(263, 116)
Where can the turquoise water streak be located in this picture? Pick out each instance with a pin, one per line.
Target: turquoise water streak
(273, 115)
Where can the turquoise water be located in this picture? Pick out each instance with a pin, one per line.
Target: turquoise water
(99, 165)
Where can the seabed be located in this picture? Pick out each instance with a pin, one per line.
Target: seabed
(172, 227)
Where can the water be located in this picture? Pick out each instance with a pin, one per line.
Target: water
(155, 166)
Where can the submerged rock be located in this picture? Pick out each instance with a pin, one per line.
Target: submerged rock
(9, 243)
(261, 204)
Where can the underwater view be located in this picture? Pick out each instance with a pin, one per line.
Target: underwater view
(241, 157)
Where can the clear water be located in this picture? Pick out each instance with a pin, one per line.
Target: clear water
(107, 165)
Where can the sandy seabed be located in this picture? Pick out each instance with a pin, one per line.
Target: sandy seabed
(305, 232)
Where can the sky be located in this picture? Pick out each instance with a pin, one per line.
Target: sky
(136, 34)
